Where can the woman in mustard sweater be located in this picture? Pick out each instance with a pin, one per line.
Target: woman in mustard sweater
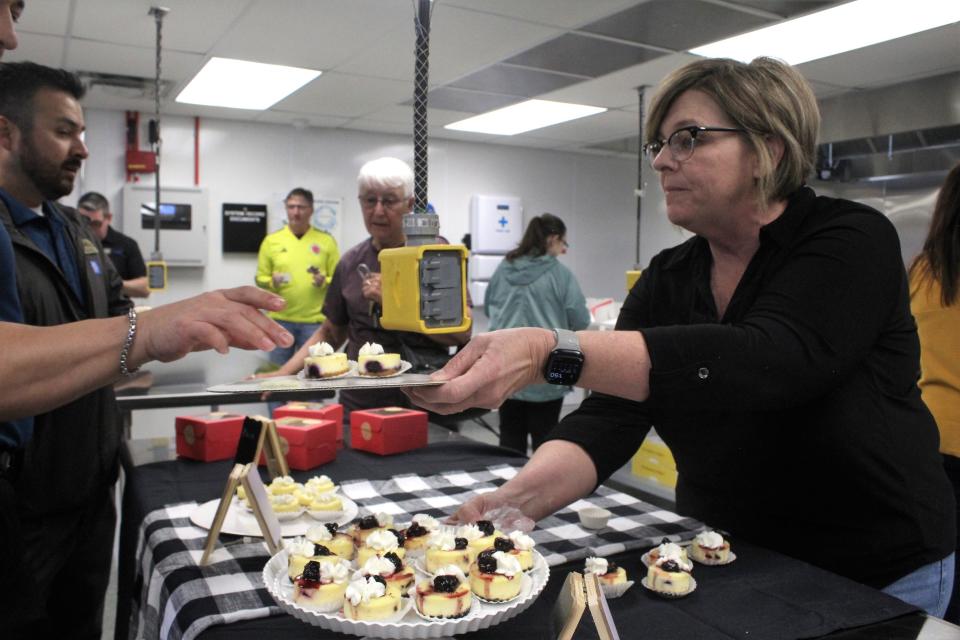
(935, 302)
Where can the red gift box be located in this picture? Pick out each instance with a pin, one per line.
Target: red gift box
(388, 430)
(209, 437)
(315, 410)
(306, 443)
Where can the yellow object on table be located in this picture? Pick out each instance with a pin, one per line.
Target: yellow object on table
(654, 462)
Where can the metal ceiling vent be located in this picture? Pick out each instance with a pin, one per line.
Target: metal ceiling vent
(123, 86)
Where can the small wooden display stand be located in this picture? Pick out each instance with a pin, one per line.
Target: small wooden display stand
(258, 436)
(580, 592)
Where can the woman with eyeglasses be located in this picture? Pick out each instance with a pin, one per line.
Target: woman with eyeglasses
(531, 288)
(774, 351)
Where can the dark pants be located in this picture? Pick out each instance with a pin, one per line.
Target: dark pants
(952, 466)
(19, 601)
(69, 555)
(518, 418)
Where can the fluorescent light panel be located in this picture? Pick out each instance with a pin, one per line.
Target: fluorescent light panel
(842, 28)
(238, 84)
(524, 116)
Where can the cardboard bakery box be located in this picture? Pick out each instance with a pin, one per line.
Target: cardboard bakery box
(315, 410)
(208, 437)
(388, 430)
(305, 442)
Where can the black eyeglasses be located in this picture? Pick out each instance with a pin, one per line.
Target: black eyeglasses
(370, 202)
(681, 142)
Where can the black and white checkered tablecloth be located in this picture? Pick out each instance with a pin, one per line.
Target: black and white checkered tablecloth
(179, 599)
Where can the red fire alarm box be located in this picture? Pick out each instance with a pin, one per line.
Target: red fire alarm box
(305, 442)
(209, 437)
(315, 410)
(388, 430)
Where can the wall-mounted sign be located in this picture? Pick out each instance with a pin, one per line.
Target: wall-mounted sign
(244, 227)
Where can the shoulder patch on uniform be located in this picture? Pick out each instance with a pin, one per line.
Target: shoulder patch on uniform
(88, 247)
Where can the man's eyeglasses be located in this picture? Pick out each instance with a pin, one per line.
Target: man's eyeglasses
(681, 143)
(96, 224)
(388, 202)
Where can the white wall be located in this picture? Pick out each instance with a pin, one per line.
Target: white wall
(259, 163)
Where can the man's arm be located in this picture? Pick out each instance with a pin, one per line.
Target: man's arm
(46, 367)
(136, 288)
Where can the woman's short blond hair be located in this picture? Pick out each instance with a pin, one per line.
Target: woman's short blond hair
(766, 97)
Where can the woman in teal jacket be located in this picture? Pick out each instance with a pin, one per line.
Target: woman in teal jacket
(531, 288)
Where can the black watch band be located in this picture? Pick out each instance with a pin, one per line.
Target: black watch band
(565, 362)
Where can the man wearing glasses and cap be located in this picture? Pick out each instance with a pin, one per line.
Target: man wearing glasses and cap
(123, 250)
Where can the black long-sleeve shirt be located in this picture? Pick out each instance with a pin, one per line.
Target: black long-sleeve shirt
(795, 419)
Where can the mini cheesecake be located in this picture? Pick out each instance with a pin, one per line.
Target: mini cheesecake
(367, 599)
(667, 548)
(518, 545)
(327, 535)
(444, 549)
(373, 362)
(324, 362)
(415, 536)
(709, 547)
(325, 502)
(322, 585)
(320, 484)
(496, 576)
(283, 485)
(366, 525)
(608, 572)
(285, 505)
(390, 567)
(380, 543)
(448, 595)
(669, 577)
(480, 536)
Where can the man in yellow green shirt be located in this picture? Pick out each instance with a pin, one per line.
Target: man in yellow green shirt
(297, 262)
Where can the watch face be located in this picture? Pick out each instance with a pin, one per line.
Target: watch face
(563, 367)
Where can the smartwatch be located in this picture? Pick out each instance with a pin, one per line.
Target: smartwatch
(566, 360)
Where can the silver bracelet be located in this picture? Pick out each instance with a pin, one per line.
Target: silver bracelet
(128, 343)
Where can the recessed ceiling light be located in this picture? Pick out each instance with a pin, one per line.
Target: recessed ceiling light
(524, 116)
(846, 27)
(238, 84)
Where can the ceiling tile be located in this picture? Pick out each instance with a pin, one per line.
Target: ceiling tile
(319, 34)
(567, 14)
(189, 26)
(48, 17)
(41, 49)
(299, 120)
(676, 26)
(514, 81)
(466, 101)
(909, 58)
(339, 94)
(788, 8)
(89, 55)
(583, 55)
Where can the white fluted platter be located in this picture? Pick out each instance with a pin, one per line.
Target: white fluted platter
(411, 627)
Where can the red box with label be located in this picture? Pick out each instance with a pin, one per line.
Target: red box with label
(306, 443)
(315, 410)
(388, 430)
(209, 437)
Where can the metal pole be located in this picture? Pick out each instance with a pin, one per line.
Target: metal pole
(640, 160)
(420, 227)
(158, 13)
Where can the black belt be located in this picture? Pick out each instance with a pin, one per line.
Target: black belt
(11, 460)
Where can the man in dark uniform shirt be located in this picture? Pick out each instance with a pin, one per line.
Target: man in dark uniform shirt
(123, 250)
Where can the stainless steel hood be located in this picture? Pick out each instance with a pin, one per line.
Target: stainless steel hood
(906, 136)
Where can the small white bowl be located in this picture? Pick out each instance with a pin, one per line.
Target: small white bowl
(594, 517)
